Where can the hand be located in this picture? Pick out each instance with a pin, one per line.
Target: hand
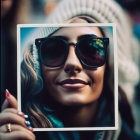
(18, 124)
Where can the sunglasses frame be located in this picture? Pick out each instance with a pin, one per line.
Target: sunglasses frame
(40, 41)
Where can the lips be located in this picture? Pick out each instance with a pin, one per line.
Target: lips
(73, 83)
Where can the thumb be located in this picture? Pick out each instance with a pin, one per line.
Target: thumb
(9, 101)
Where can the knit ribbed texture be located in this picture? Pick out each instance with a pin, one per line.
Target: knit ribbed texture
(104, 11)
(107, 11)
(41, 32)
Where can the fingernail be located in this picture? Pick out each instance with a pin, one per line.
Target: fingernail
(28, 123)
(26, 116)
(23, 115)
(7, 94)
(31, 129)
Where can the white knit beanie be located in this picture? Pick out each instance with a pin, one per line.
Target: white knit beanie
(104, 11)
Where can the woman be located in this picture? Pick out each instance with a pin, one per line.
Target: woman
(80, 135)
(75, 86)
(70, 85)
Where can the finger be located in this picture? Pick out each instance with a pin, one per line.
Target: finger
(10, 110)
(10, 100)
(5, 104)
(15, 111)
(14, 127)
(7, 117)
(16, 135)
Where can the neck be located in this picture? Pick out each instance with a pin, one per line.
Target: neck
(75, 116)
(81, 116)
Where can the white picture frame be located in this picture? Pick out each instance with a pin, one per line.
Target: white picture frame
(20, 44)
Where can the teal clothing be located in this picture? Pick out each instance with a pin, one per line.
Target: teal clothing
(56, 123)
(105, 117)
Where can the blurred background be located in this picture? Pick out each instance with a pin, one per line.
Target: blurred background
(15, 12)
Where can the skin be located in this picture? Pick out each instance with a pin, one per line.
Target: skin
(5, 7)
(83, 101)
(18, 126)
(73, 69)
(9, 111)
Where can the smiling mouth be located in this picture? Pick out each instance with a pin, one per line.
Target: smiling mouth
(73, 83)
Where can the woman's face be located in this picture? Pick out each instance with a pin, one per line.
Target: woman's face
(80, 85)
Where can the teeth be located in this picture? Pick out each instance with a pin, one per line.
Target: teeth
(76, 84)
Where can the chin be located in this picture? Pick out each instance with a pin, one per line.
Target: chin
(76, 101)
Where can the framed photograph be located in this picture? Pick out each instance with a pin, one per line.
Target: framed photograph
(64, 76)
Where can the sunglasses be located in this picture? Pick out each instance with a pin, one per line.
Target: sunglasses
(91, 50)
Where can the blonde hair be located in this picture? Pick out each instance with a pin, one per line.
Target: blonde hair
(29, 80)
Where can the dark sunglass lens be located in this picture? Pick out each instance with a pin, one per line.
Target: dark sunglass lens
(92, 52)
(53, 52)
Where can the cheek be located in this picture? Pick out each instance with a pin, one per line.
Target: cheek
(49, 78)
(49, 83)
(98, 78)
(48, 75)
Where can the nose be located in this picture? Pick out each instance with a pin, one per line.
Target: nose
(72, 64)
